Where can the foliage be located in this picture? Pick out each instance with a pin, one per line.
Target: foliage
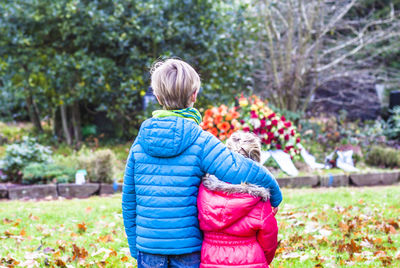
(99, 165)
(21, 154)
(221, 121)
(95, 56)
(15, 131)
(392, 130)
(314, 224)
(331, 132)
(384, 157)
(42, 173)
(273, 129)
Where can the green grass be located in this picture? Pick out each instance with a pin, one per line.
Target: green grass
(317, 226)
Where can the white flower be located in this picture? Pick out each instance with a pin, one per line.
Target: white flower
(255, 122)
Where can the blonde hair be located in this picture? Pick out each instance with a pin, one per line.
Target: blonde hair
(246, 144)
(174, 82)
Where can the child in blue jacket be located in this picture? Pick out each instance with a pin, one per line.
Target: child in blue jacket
(166, 162)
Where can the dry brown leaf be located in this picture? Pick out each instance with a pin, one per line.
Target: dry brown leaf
(16, 222)
(7, 221)
(82, 227)
(343, 227)
(106, 239)
(394, 223)
(22, 233)
(60, 262)
(34, 218)
(79, 253)
(8, 233)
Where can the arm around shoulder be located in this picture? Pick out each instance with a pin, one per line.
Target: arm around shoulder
(233, 168)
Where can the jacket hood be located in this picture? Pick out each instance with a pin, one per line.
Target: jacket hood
(223, 204)
(167, 136)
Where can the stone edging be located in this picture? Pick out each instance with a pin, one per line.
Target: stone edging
(339, 180)
(50, 191)
(91, 189)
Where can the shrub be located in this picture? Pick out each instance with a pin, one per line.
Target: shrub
(392, 130)
(99, 165)
(41, 173)
(21, 154)
(383, 156)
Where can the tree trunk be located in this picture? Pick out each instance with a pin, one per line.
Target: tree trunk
(64, 121)
(76, 122)
(33, 112)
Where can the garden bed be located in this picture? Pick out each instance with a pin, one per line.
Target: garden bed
(66, 190)
(52, 191)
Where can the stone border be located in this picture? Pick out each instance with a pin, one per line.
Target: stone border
(51, 191)
(14, 192)
(334, 180)
(371, 179)
(298, 182)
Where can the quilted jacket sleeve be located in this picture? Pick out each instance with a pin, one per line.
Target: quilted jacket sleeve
(234, 168)
(267, 236)
(129, 204)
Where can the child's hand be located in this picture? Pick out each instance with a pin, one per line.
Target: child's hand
(275, 210)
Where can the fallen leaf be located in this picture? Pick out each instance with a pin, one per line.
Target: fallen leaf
(22, 233)
(106, 238)
(82, 227)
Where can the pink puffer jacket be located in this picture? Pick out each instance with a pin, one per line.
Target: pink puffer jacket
(239, 227)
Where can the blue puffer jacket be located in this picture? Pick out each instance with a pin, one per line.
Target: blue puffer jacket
(164, 169)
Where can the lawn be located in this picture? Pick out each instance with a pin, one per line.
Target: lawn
(318, 227)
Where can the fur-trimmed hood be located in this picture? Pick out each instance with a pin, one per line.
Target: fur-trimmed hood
(214, 184)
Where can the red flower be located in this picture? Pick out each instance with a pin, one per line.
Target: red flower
(274, 122)
(246, 129)
(270, 135)
(298, 140)
(286, 137)
(288, 124)
(256, 131)
(281, 131)
(289, 147)
(283, 118)
(208, 113)
(292, 132)
(263, 131)
(218, 119)
(271, 115)
(269, 127)
(242, 121)
(253, 114)
(214, 131)
(224, 126)
(263, 123)
(278, 146)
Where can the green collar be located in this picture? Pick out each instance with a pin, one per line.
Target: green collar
(188, 113)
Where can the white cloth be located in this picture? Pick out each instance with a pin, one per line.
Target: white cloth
(309, 159)
(265, 155)
(345, 161)
(285, 162)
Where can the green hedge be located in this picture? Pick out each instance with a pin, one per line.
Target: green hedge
(98, 53)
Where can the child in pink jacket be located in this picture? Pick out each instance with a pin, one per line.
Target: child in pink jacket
(239, 225)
